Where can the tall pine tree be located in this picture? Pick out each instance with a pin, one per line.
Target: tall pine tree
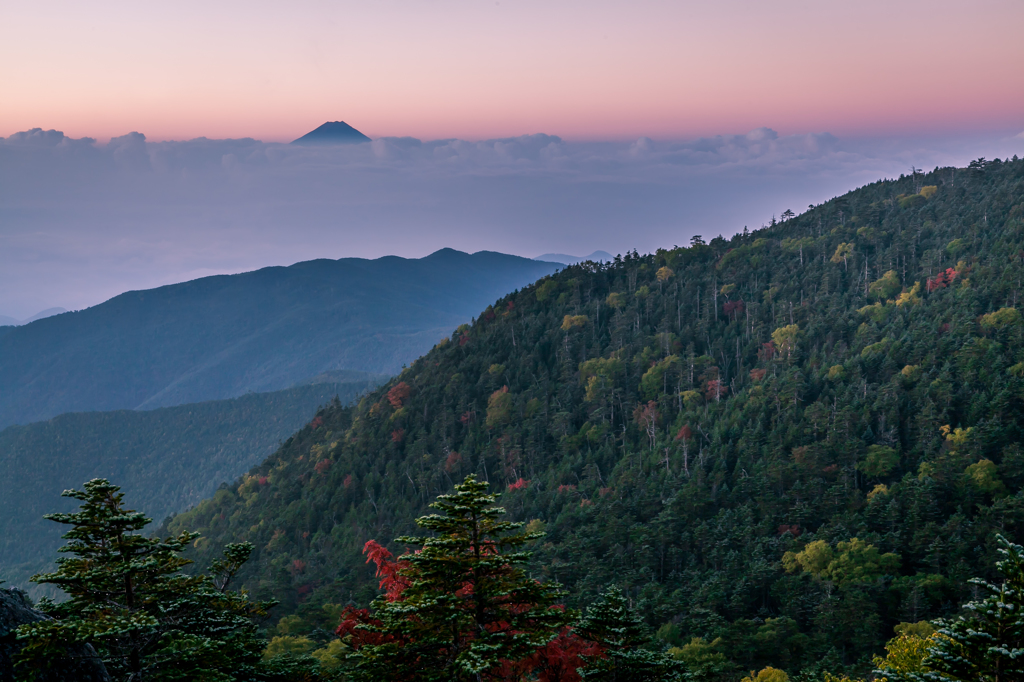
(129, 599)
(461, 607)
(620, 634)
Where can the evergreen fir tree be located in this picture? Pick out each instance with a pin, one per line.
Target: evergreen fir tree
(129, 599)
(620, 634)
(987, 643)
(464, 606)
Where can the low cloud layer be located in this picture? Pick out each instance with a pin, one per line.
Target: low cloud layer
(80, 222)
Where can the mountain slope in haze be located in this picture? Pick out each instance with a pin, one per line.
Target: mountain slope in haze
(784, 443)
(597, 257)
(167, 459)
(224, 336)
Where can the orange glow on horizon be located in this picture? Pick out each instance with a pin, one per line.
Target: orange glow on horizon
(581, 70)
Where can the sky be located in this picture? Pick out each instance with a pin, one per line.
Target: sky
(525, 127)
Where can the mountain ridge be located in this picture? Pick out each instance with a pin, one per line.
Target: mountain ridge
(222, 336)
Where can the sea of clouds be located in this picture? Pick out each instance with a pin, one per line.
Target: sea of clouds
(81, 221)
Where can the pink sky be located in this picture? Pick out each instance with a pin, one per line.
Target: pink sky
(580, 69)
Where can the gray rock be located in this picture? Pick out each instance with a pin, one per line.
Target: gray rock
(80, 664)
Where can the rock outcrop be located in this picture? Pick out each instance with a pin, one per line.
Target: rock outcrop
(79, 664)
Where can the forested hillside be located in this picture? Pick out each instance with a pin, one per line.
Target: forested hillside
(170, 458)
(785, 443)
(225, 336)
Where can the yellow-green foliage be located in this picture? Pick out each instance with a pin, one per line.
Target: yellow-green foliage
(877, 312)
(727, 289)
(851, 562)
(664, 274)
(1000, 318)
(911, 372)
(912, 201)
(332, 656)
(957, 436)
(886, 286)
(598, 375)
(836, 373)
(690, 397)
(785, 339)
(928, 191)
(546, 288)
(768, 674)
(287, 644)
(643, 292)
(615, 300)
(843, 251)
(652, 382)
(905, 653)
(984, 475)
(956, 246)
(572, 321)
(499, 407)
(880, 491)
(1017, 370)
(911, 297)
(875, 349)
(879, 461)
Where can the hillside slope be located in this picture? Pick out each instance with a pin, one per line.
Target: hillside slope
(168, 458)
(220, 337)
(791, 440)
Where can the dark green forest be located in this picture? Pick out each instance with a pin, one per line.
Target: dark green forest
(170, 457)
(786, 443)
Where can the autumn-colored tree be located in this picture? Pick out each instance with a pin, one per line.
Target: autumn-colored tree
(461, 606)
(398, 393)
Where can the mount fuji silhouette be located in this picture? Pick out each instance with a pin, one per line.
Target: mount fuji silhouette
(333, 132)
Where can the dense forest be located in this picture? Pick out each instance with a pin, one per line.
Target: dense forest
(170, 458)
(785, 444)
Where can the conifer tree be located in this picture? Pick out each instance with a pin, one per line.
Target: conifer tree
(462, 605)
(129, 599)
(620, 634)
(987, 643)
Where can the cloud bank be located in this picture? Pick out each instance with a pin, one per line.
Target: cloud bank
(80, 222)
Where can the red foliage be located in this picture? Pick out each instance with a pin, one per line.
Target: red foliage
(685, 433)
(322, 466)
(398, 435)
(647, 415)
(585, 503)
(733, 307)
(715, 389)
(830, 469)
(566, 488)
(348, 481)
(942, 279)
(464, 339)
(559, 659)
(398, 394)
(452, 462)
(298, 566)
(351, 618)
(304, 590)
(317, 423)
(757, 374)
(262, 480)
(767, 351)
(605, 492)
(944, 328)
(467, 417)
(518, 485)
(489, 314)
(391, 581)
(793, 529)
(512, 306)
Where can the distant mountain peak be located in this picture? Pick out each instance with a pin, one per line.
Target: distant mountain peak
(333, 132)
(566, 259)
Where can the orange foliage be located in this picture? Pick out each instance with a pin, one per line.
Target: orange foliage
(398, 394)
